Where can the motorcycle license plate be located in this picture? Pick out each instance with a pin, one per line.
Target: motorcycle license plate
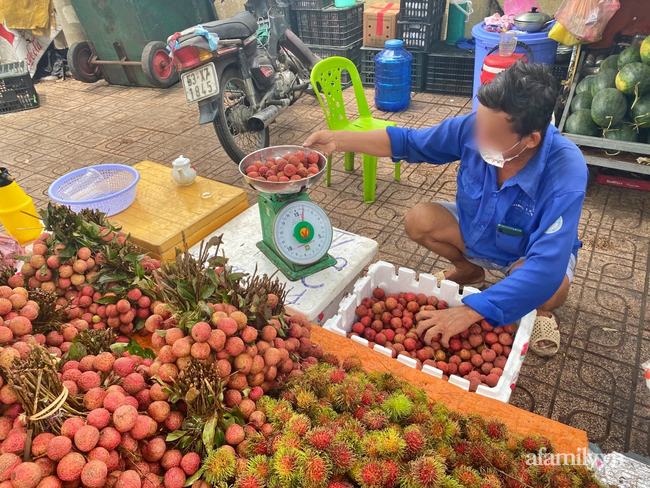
(200, 83)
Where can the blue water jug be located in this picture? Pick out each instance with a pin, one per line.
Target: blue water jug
(393, 77)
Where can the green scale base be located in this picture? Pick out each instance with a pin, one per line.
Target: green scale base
(293, 271)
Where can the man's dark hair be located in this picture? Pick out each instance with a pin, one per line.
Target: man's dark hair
(526, 92)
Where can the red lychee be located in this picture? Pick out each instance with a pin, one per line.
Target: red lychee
(70, 467)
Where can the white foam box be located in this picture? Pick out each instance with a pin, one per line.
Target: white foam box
(316, 297)
(383, 275)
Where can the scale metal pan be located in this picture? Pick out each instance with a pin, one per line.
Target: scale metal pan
(281, 187)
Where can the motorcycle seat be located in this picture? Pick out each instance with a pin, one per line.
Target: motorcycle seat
(239, 26)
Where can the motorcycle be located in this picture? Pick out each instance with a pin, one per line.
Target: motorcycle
(242, 84)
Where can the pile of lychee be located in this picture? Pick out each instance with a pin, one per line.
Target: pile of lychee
(290, 167)
(479, 354)
(120, 442)
(121, 436)
(17, 313)
(252, 360)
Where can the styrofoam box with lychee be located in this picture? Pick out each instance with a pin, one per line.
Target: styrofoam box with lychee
(383, 275)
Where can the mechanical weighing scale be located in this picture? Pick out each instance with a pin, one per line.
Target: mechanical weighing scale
(296, 232)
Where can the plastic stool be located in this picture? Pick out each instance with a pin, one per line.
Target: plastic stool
(326, 81)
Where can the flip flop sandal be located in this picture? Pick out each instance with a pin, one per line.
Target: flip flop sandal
(545, 338)
(440, 275)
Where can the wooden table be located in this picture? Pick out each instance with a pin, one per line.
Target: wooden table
(163, 210)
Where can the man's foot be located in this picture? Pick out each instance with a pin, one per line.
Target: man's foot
(471, 276)
(545, 336)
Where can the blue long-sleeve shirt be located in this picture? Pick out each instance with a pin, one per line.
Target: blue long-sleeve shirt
(544, 199)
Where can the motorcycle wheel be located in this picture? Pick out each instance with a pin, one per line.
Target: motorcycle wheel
(232, 114)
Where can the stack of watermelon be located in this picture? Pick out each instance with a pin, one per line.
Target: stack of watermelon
(615, 103)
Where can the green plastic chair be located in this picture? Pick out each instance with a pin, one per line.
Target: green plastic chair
(326, 80)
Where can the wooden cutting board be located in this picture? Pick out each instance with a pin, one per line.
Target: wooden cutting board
(163, 210)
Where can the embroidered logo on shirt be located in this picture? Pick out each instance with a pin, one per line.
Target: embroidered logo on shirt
(557, 225)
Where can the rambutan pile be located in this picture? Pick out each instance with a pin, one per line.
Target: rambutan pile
(403, 440)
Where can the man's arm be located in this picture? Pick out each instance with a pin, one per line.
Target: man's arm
(371, 142)
(439, 144)
(536, 281)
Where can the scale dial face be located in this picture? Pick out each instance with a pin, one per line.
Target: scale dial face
(302, 232)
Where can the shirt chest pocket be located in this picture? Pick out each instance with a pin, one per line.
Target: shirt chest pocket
(469, 193)
(511, 244)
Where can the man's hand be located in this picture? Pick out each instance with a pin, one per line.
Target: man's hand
(322, 141)
(447, 323)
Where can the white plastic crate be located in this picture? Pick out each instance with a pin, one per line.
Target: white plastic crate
(382, 274)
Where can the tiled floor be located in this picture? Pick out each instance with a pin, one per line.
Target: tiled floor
(594, 383)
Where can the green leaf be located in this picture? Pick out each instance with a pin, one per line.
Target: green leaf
(161, 333)
(108, 277)
(219, 438)
(131, 257)
(174, 436)
(139, 325)
(108, 299)
(135, 349)
(138, 270)
(208, 433)
(119, 347)
(195, 477)
(186, 293)
(77, 351)
(185, 443)
(208, 292)
(148, 354)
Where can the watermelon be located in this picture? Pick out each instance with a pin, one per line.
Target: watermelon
(585, 84)
(634, 79)
(611, 62)
(630, 55)
(645, 50)
(581, 101)
(580, 122)
(623, 131)
(605, 78)
(640, 113)
(608, 107)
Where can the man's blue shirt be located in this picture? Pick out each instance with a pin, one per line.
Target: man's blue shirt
(543, 200)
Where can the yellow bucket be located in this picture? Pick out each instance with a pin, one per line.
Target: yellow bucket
(17, 212)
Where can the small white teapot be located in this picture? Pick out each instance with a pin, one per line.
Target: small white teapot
(183, 173)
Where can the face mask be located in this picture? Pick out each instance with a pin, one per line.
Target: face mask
(495, 158)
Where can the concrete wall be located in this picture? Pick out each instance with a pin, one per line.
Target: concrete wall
(481, 10)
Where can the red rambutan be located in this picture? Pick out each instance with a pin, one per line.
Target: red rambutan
(298, 425)
(371, 475)
(466, 476)
(496, 429)
(563, 480)
(249, 481)
(343, 458)
(530, 443)
(391, 473)
(415, 439)
(316, 469)
(375, 420)
(502, 460)
(426, 472)
(337, 376)
(320, 438)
